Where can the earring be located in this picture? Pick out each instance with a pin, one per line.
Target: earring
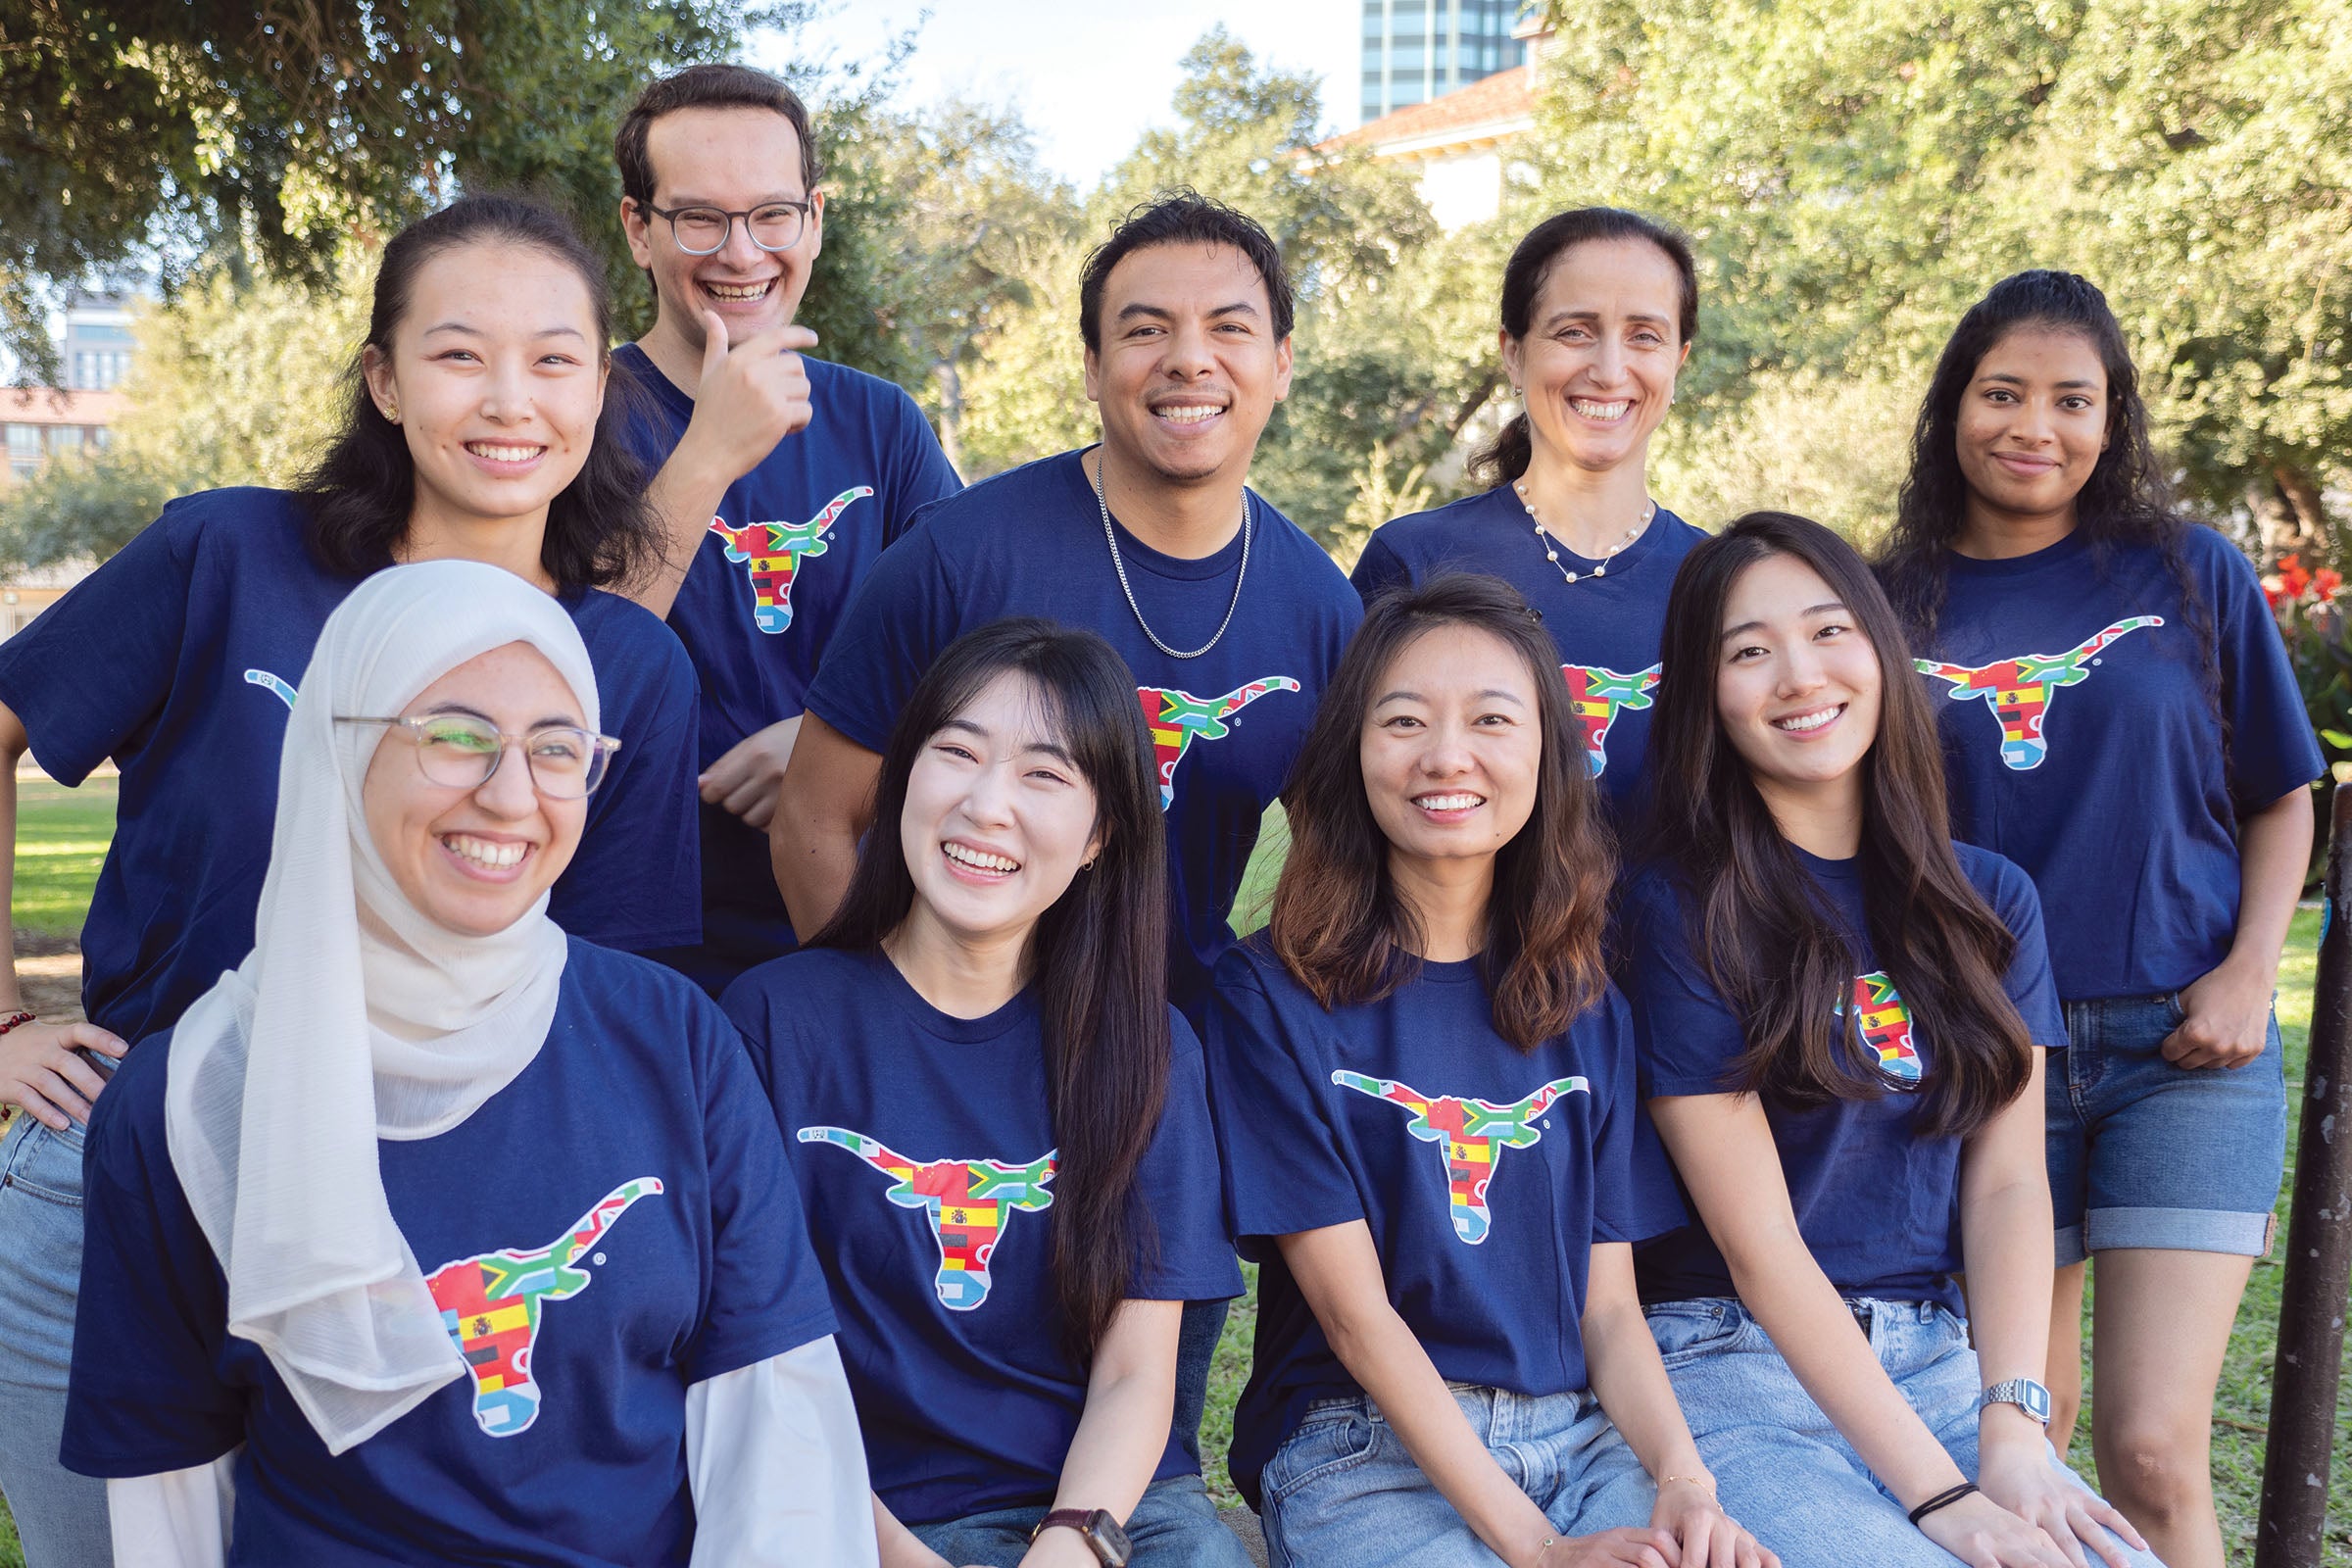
(392, 412)
(1086, 865)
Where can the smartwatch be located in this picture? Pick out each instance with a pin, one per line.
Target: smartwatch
(2023, 1393)
(1098, 1528)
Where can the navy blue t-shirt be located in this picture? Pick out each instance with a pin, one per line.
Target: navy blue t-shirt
(791, 541)
(1607, 627)
(1485, 1175)
(1876, 1202)
(2080, 742)
(178, 659)
(1224, 727)
(615, 1224)
(926, 1160)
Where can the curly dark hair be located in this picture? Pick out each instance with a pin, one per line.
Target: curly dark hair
(600, 528)
(1184, 216)
(2125, 500)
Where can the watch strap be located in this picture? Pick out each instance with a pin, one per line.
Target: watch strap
(1098, 1528)
(2023, 1393)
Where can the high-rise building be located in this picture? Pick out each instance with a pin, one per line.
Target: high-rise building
(98, 344)
(1416, 50)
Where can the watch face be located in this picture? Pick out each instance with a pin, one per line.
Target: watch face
(1111, 1542)
(2023, 1393)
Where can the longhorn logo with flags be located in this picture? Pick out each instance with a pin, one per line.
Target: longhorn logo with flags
(1470, 1134)
(772, 551)
(492, 1304)
(1597, 695)
(1179, 718)
(2019, 690)
(967, 1201)
(1884, 1023)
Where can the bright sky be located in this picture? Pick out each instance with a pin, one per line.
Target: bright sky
(1089, 75)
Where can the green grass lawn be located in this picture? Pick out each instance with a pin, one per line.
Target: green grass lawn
(62, 835)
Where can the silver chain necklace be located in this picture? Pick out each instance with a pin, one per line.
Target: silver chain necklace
(1110, 537)
(1551, 550)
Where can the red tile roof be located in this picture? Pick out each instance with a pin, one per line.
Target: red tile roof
(41, 405)
(1506, 95)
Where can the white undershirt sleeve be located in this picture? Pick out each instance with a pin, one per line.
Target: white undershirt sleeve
(777, 1466)
(179, 1519)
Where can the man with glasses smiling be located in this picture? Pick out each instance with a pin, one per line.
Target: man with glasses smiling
(781, 476)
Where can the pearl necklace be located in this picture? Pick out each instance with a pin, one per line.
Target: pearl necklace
(1551, 550)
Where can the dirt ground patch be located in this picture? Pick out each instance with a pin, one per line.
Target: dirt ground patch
(49, 970)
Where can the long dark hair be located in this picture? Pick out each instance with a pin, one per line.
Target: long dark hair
(599, 529)
(1771, 948)
(1338, 923)
(2125, 500)
(1506, 456)
(1098, 957)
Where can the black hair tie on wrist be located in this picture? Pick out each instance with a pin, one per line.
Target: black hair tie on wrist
(1942, 1500)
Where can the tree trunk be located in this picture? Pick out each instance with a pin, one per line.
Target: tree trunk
(2277, 528)
(2302, 493)
(951, 412)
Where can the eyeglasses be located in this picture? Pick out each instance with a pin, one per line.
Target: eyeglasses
(705, 230)
(458, 753)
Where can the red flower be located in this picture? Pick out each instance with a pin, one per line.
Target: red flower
(2326, 584)
(2292, 578)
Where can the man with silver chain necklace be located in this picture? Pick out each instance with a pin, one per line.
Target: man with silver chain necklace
(1230, 616)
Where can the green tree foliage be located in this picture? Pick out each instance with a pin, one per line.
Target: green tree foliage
(2204, 150)
(232, 386)
(1853, 176)
(212, 136)
(282, 127)
(968, 229)
(1394, 343)
(1389, 357)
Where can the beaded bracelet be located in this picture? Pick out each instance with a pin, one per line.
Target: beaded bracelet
(1942, 1500)
(1706, 1483)
(16, 1020)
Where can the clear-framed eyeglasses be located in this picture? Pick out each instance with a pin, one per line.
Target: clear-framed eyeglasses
(461, 753)
(705, 230)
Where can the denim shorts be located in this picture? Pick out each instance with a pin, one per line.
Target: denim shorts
(1342, 1489)
(2144, 1154)
(1782, 1469)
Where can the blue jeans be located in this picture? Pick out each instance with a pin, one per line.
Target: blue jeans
(2144, 1154)
(1197, 1337)
(1342, 1489)
(1174, 1526)
(1782, 1469)
(61, 1517)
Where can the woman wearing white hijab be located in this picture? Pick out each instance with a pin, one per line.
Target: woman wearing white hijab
(429, 1233)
